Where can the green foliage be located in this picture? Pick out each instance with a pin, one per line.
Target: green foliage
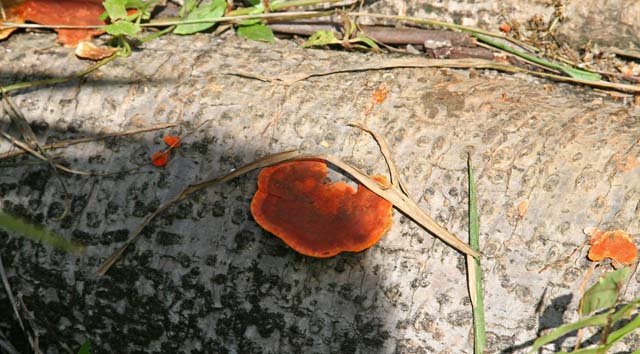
(123, 24)
(573, 72)
(256, 32)
(122, 28)
(36, 233)
(85, 348)
(605, 292)
(602, 295)
(321, 38)
(206, 11)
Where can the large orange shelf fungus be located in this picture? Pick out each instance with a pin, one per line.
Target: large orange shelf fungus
(616, 245)
(315, 218)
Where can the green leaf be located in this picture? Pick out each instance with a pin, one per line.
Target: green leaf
(368, 41)
(39, 234)
(580, 74)
(249, 22)
(116, 9)
(187, 7)
(122, 28)
(254, 2)
(598, 320)
(207, 11)
(85, 348)
(573, 72)
(605, 292)
(622, 332)
(257, 32)
(321, 38)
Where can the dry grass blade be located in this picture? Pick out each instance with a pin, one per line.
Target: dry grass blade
(18, 119)
(7, 289)
(35, 153)
(67, 143)
(466, 63)
(401, 201)
(386, 153)
(193, 188)
(33, 339)
(393, 195)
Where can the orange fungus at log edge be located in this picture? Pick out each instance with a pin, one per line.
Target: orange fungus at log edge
(616, 245)
(315, 218)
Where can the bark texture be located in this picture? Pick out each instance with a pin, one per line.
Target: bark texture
(550, 160)
(608, 23)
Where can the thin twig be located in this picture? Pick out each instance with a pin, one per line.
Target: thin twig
(18, 119)
(466, 63)
(396, 181)
(67, 143)
(33, 152)
(59, 80)
(391, 194)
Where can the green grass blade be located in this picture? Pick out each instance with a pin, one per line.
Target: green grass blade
(39, 234)
(598, 320)
(473, 269)
(573, 72)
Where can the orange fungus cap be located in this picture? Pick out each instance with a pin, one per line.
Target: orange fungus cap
(616, 245)
(315, 218)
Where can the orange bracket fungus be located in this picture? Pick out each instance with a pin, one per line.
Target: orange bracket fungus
(315, 218)
(616, 245)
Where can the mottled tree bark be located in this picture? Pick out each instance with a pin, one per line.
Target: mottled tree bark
(550, 159)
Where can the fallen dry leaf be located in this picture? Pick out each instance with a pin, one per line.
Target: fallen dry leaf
(58, 12)
(87, 50)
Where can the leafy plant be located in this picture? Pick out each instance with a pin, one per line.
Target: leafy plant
(604, 295)
(352, 38)
(125, 22)
(206, 11)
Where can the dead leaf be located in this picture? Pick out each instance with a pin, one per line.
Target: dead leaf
(88, 50)
(58, 12)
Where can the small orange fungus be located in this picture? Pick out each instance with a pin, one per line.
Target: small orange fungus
(380, 93)
(315, 218)
(172, 141)
(616, 245)
(160, 158)
(505, 27)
